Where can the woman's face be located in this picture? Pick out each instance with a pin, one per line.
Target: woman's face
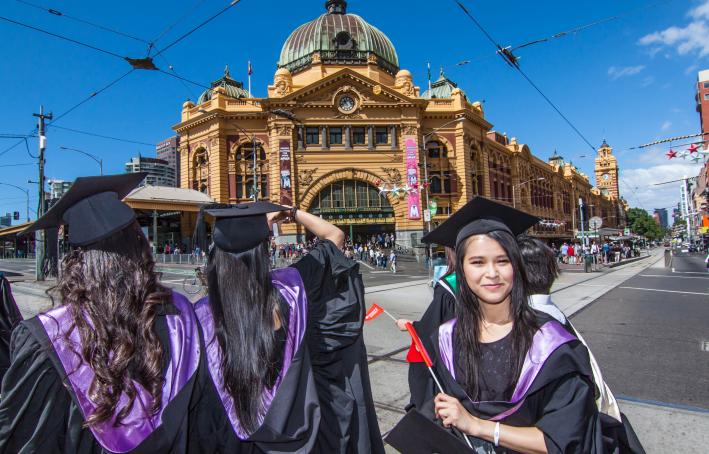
(487, 269)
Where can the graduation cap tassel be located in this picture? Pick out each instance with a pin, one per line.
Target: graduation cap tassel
(429, 364)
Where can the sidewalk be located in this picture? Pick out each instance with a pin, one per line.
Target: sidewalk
(659, 427)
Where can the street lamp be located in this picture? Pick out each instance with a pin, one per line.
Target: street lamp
(27, 194)
(99, 161)
(425, 172)
(515, 186)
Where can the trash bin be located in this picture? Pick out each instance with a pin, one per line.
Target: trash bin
(588, 263)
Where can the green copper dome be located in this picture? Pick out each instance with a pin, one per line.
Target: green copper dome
(232, 88)
(339, 38)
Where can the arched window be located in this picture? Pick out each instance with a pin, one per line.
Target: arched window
(350, 198)
(241, 172)
(440, 170)
(200, 171)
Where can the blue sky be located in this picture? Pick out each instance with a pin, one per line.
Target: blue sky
(631, 81)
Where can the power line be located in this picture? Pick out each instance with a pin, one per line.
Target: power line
(180, 19)
(65, 38)
(58, 13)
(102, 136)
(205, 22)
(18, 165)
(510, 59)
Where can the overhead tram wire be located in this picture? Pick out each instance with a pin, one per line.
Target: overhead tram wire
(119, 139)
(194, 29)
(58, 13)
(180, 19)
(512, 61)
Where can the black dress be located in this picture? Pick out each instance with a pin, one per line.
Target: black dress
(43, 407)
(10, 316)
(321, 401)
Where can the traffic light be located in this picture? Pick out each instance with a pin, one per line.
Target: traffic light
(16, 215)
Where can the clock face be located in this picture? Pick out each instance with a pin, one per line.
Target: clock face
(347, 103)
(606, 177)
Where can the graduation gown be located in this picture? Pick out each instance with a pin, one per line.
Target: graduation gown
(441, 309)
(321, 401)
(335, 292)
(45, 391)
(554, 393)
(292, 416)
(10, 316)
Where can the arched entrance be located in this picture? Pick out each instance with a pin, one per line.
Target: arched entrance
(356, 207)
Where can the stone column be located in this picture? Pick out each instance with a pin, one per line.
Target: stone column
(301, 137)
(370, 137)
(348, 138)
(394, 142)
(323, 135)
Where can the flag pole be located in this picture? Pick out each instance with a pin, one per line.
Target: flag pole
(430, 92)
(250, 72)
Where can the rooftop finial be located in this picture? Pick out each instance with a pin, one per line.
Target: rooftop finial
(226, 71)
(336, 6)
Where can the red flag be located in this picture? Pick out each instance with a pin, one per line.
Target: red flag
(373, 312)
(419, 345)
(251, 69)
(413, 356)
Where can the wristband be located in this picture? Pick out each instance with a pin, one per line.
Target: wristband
(292, 213)
(496, 434)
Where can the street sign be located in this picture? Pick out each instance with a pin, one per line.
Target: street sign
(595, 223)
(626, 232)
(427, 215)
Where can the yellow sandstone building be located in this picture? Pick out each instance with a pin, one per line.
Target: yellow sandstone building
(346, 134)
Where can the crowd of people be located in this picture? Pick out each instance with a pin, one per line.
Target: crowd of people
(273, 360)
(572, 253)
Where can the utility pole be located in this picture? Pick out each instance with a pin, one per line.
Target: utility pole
(685, 198)
(39, 234)
(583, 234)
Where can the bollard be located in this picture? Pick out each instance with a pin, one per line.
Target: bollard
(587, 263)
(668, 258)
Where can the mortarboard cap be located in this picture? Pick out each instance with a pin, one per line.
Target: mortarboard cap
(92, 208)
(480, 216)
(242, 227)
(417, 434)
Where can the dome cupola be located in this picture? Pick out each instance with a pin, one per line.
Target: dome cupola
(339, 38)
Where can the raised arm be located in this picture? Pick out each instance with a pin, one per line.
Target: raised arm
(319, 227)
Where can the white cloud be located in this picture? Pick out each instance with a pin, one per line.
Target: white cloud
(638, 185)
(617, 72)
(667, 124)
(647, 81)
(689, 38)
(690, 69)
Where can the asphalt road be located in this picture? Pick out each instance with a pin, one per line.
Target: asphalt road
(651, 334)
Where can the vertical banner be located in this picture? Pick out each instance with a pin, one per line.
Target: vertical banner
(285, 172)
(412, 179)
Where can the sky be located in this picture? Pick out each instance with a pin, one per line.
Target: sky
(630, 81)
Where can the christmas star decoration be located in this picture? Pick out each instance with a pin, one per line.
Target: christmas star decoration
(671, 154)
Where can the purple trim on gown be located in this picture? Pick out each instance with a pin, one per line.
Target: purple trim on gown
(545, 342)
(140, 423)
(289, 283)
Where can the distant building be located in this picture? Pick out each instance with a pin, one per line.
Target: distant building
(6, 221)
(703, 100)
(661, 217)
(159, 171)
(168, 150)
(57, 188)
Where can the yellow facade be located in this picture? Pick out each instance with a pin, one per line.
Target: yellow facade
(336, 128)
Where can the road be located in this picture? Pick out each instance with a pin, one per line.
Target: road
(651, 334)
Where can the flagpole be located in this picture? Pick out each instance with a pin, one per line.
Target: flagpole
(430, 92)
(250, 71)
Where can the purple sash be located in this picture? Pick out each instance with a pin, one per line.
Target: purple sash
(289, 283)
(545, 342)
(140, 423)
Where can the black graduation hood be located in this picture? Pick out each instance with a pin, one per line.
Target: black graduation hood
(242, 227)
(92, 208)
(480, 216)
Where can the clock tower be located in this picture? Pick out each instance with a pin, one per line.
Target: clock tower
(607, 171)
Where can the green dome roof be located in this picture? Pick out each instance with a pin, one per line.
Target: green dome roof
(233, 88)
(441, 89)
(339, 38)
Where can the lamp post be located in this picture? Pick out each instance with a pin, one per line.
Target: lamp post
(515, 186)
(27, 194)
(425, 172)
(99, 161)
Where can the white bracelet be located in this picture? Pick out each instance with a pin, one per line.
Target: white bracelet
(496, 434)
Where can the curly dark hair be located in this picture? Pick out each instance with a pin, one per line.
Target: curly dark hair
(112, 293)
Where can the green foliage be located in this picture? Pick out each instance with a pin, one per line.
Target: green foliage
(641, 223)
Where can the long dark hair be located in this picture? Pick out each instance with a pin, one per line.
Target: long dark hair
(469, 314)
(244, 303)
(112, 294)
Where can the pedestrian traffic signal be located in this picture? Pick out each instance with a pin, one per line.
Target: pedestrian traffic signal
(16, 215)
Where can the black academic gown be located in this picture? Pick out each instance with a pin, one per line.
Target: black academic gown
(335, 339)
(10, 316)
(441, 309)
(43, 408)
(560, 400)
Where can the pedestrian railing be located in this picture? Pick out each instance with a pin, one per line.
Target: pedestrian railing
(180, 259)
